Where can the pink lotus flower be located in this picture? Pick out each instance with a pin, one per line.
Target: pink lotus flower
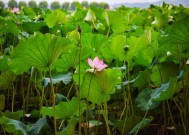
(96, 64)
(15, 10)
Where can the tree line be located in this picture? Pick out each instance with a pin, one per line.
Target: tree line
(53, 5)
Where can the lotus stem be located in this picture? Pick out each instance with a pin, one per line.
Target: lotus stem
(54, 101)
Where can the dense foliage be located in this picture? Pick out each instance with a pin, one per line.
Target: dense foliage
(50, 82)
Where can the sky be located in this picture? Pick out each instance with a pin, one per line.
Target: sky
(108, 1)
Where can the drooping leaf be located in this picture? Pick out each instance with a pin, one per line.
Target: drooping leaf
(40, 51)
(41, 127)
(165, 91)
(98, 87)
(65, 78)
(64, 110)
(144, 101)
(13, 126)
(145, 122)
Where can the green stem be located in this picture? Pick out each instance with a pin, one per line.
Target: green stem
(13, 96)
(171, 117)
(79, 87)
(186, 98)
(61, 124)
(107, 34)
(54, 101)
(68, 94)
(125, 105)
(27, 94)
(105, 114)
(129, 89)
(181, 116)
(97, 126)
(87, 114)
(3, 130)
(141, 122)
(164, 115)
(23, 98)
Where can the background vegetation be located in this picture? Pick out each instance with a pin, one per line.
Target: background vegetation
(54, 5)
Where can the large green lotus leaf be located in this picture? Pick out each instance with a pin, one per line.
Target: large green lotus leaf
(42, 126)
(13, 126)
(180, 32)
(141, 124)
(147, 44)
(6, 79)
(70, 129)
(160, 74)
(176, 41)
(94, 41)
(40, 51)
(165, 91)
(144, 101)
(64, 110)
(117, 47)
(98, 87)
(57, 16)
(116, 21)
(134, 46)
